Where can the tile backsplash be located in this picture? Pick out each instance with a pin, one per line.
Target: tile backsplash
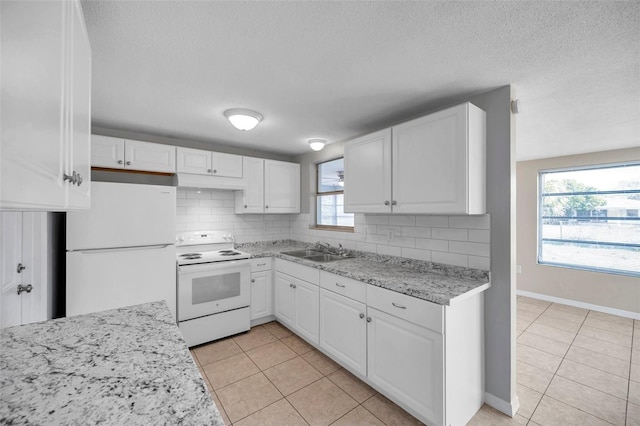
(453, 240)
(213, 209)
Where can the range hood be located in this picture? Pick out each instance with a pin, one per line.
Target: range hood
(188, 180)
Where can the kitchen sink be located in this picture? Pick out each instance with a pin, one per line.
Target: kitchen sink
(315, 255)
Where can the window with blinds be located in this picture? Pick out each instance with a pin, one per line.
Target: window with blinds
(589, 218)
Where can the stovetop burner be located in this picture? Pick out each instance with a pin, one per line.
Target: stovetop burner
(226, 251)
(229, 253)
(190, 254)
(197, 256)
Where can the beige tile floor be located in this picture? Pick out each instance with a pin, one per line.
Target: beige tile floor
(575, 367)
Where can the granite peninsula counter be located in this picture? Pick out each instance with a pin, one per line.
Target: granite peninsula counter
(435, 282)
(127, 366)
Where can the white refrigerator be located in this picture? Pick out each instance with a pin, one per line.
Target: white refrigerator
(122, 251)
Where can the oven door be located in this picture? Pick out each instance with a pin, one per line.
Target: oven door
(210, 288)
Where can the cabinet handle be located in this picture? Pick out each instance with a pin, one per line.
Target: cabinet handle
(78, 179)
(266, 207)
(215, 171)
(26, 288)
(361, 315)
(386, 203)
(294, 286)
(253, 280)
(21, 267)
(290, 285)
(340, 285)
(393, 203)
(261, 264)
(368, 319)
(120, 161)
(70, 178)
(398, 306)
(128, 163)
(209, 170)
(245, 206)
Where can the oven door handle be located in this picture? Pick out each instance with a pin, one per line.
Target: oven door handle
(214, 266)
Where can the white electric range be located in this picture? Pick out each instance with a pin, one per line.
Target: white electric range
(213, 295)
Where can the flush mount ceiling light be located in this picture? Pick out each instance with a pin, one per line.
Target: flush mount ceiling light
(243, 119)
(317, 144)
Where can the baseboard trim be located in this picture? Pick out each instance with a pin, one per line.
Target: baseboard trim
(598, 308)
(508, 408)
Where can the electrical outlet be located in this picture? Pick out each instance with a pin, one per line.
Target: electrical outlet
(518, 269)
(391, 235)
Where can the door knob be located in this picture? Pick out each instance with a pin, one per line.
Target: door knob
(27, 288)
(386, 203)
(394, 202)
(21, 267)
(215, 171)
(361, 315)
(209, 170)
(368, 319)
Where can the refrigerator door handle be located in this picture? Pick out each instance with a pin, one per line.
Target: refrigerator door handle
(118, 249)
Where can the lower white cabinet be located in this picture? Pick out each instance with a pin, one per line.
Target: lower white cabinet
(343, 330)
(406, 360)
(427, 358)
(261, 290)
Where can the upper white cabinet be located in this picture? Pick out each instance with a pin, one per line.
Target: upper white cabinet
(46, 106)
(270, 187)
(116, 153)
(202, 162)
(434, 164)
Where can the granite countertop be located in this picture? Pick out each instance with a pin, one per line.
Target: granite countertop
(435, 282)
(127, 366)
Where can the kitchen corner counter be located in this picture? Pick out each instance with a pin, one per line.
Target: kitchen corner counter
(127, 366)
(434, 282)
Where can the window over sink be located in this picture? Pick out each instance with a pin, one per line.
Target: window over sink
(330, 197)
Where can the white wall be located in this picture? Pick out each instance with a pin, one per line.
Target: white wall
(454, 240)
(213, 209)
(607, 290)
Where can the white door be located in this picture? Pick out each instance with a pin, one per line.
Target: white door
(253, 194)
(33, 139)
(283, 298)
(226, 165)
(430, 163)
(407, 361)
(80, 138)
(23, 251)
(281, 187)
(367, 174)
(107, 152)
(306, 300)
(152, 157)
(261, 292)
(196, 161)
(343, 330)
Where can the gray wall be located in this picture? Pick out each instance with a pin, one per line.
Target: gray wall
(500, 299)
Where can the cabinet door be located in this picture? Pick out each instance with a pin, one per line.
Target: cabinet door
(152, 157)
(107, 152)
(196, 161)
(226, 165)
(79, 149)
(283, 300)
(281, 187)
(33, 138)
(343, 330)
(367, 173)
(406, 360)
(306, 300)
(261, 294)
(430, 163)
(252, 197)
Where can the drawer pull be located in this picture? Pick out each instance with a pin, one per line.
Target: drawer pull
(368, 319)
(361, 315)
(340, 285)
(261, 264)
(398, 306)
(253, 280)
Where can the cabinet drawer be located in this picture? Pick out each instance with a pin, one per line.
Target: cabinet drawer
(418, 311)
(356, 290)
(305, 273)
(261, 264)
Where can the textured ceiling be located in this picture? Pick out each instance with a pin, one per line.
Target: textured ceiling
(336, 70)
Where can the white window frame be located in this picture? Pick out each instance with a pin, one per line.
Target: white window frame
(541, 217)
(317, 225)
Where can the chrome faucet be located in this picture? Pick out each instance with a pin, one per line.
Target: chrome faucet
(325, 247)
